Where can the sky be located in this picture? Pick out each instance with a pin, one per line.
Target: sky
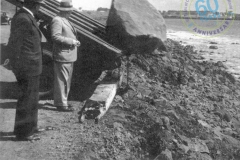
(159, 4)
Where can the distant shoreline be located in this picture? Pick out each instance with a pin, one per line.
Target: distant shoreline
(226, 48)
(174, 17)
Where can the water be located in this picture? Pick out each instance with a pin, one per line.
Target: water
(178, 25)
(228, 43)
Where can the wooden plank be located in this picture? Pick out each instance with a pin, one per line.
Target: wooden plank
(99, 103)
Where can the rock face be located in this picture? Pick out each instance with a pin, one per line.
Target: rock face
(189, 113)
(136, 26)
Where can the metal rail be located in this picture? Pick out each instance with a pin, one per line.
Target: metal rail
(90, 26)
(84, 32)
(82, 16)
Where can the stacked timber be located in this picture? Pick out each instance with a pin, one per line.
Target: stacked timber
(86, 27)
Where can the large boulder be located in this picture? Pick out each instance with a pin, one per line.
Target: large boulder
(136, 26)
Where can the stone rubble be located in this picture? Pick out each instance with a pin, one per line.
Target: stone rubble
(179, 107)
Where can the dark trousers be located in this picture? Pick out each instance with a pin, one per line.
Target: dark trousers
(27, 106)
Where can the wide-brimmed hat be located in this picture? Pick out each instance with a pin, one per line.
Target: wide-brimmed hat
(66, 5)
(34, 1)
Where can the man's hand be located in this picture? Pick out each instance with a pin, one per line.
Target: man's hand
(76, 43)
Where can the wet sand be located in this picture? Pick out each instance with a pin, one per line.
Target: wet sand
(227, 51)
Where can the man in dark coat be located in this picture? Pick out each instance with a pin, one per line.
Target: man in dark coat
(26, 60)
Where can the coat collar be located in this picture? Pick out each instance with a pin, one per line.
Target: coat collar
(26, 9)
(68, 23)
(34, 22)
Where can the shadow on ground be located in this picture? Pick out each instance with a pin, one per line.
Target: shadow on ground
(7, 136)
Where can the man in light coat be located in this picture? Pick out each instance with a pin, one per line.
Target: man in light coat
(65, 45)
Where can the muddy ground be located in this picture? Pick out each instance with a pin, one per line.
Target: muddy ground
(68, 140)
